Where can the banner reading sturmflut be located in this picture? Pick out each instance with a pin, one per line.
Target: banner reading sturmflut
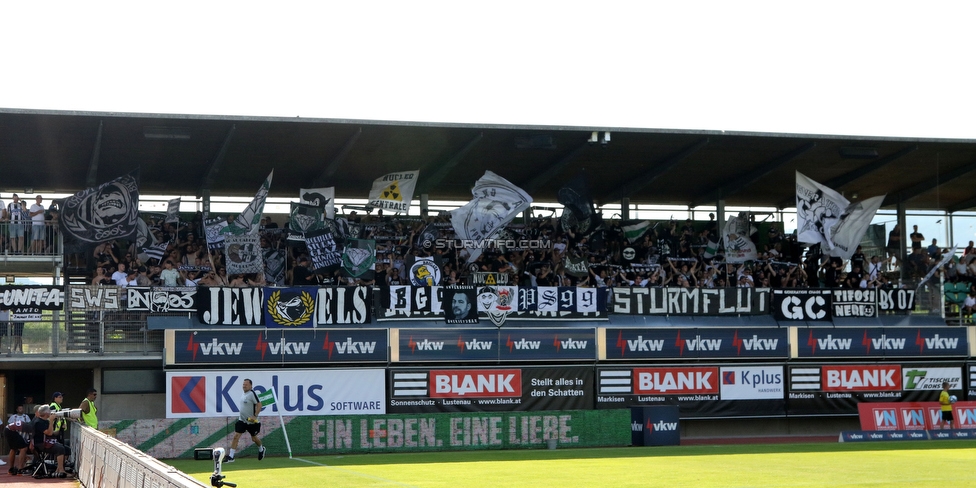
(394, 191)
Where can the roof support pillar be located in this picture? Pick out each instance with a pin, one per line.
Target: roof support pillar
(719, 217)
(93, 164)
(625, 208)
(903, 234)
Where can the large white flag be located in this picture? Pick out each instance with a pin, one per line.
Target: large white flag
(853, 224)
(394, 191)
(818, 210)
(739, 247)
(496, 202)
(249, 220)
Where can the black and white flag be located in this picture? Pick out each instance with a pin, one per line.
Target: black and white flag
(156, 251)
(274, 267)
(106, 212)
(496, 202)
(214, 228)
(579, 213)
(825, 217)
(173, 211)
(244, 254)
(323, 198)
(739, 247)
(323, 249)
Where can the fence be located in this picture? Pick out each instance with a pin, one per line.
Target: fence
(88, 332)
(30, 238)
(102, 461)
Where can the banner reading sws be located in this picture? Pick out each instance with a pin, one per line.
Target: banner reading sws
(209, 393)
(489, 390)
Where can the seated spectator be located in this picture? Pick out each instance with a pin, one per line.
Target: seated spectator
(45, 441)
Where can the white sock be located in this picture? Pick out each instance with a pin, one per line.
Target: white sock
(262, 448)
(231, 453)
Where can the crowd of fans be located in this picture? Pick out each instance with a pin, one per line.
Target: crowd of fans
(668, 254)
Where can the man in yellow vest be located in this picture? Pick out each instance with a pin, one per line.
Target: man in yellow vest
(88, 409)
(60, 425)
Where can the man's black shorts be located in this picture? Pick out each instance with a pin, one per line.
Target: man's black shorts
(947, 415)
(56, 450)
(14, 439)
(241, 427)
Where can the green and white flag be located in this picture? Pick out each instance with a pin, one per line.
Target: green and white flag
(249, 220)
(359, 258)
(267, 398)
(636, 231)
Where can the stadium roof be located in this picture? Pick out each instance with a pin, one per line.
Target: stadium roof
(51, 151)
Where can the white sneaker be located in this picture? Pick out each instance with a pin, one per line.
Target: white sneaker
(229, 459)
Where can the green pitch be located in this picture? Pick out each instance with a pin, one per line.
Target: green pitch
(896, 464)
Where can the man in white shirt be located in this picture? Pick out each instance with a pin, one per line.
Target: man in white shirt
(36, 214)
(16, 215)
(120, 277)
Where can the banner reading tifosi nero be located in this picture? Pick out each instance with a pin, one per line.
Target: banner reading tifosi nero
(692, 343)
(698, 391)
(210, 393)
(269, 346)
(882, 342)
(691, 301)
(32, 297)
(490, 390)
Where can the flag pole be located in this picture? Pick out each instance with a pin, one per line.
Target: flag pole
(282, 420)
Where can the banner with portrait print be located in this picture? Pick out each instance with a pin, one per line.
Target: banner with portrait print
(460, 305)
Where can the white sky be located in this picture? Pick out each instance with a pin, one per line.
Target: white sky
(855, 68)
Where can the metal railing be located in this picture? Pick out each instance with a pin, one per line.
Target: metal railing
(30, 238)
(97, 333)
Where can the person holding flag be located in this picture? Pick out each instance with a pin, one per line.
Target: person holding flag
(247, 421)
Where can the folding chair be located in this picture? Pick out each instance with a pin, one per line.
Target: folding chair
(43, 465)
